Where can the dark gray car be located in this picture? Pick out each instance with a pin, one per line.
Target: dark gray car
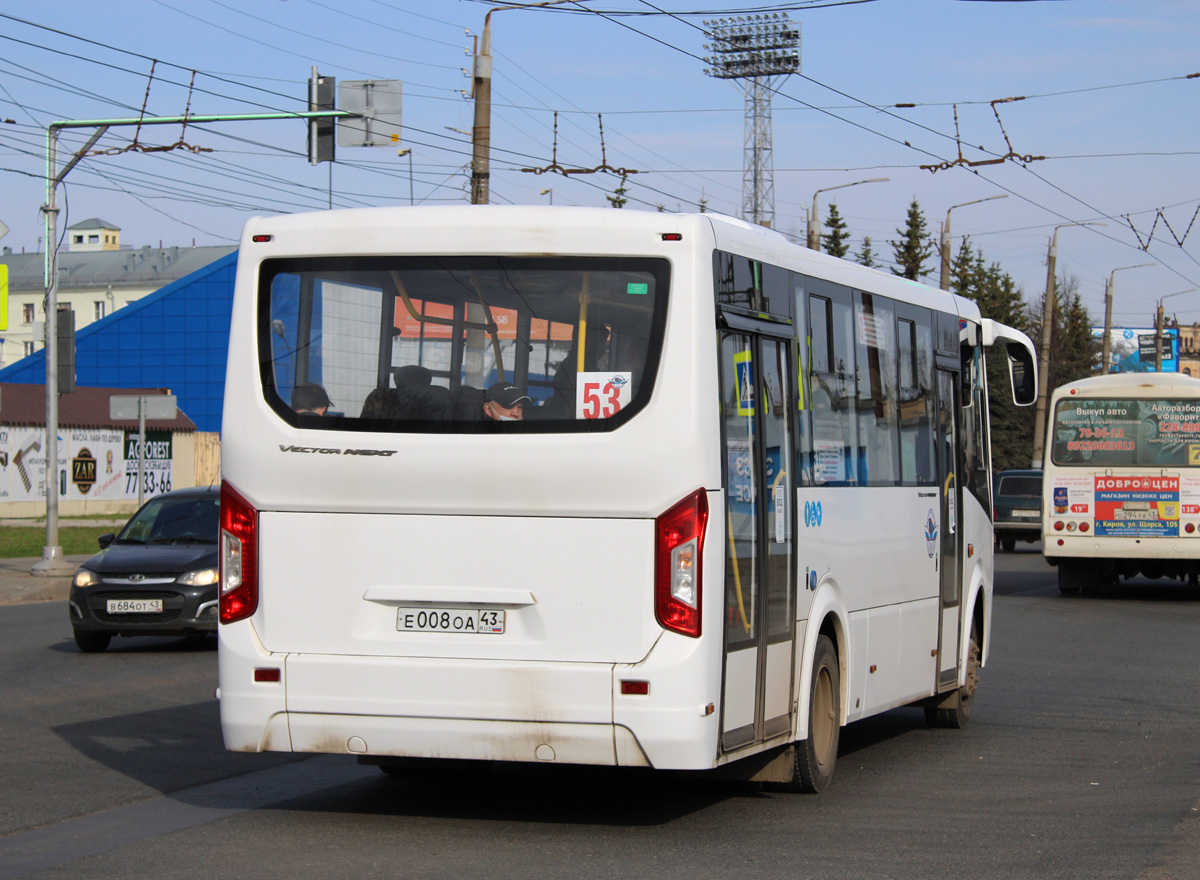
(1017, 505)
(156, 577)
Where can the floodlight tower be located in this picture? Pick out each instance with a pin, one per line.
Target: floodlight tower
(758, 50)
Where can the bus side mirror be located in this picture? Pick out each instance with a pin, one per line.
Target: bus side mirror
(1023, 373)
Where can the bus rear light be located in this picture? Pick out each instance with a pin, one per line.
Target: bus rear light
(1070, 527)
(1058, 526)
(1190, 528)
(1083, 527)
(239, 557)
(635, 688)
(678, 549)
(268, 675)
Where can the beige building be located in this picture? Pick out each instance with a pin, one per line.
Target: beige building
(1189, 349)
(96, 276)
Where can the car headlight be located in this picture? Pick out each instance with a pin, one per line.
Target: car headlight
(86, 578)
(203, 577)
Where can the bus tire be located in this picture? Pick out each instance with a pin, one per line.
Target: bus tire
(954, 710)
(1072, 577)
(816, 756)
(1009, 545)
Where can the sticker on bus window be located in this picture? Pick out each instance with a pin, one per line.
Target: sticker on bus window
(602, 395)
(637, 289)
(743, 366)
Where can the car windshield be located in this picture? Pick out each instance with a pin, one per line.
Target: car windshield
(172, 519)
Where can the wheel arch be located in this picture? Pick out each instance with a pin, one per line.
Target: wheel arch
(828, 617)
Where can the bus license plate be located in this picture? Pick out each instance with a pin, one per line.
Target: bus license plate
(134, 606)
(486, 621)
(1027, 513)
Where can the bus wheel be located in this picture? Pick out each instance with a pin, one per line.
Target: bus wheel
(817, 755)
(1009, 545)
(955, 710)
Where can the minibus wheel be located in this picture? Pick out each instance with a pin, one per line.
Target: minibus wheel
(816, 757)
(954, 712)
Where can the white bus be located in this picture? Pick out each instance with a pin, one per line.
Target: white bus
(1121, 482)
(741, 498)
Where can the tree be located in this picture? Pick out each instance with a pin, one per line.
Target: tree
(703, 203)
(913, 248)
(617, 199)
(834, 242)
(866, 255)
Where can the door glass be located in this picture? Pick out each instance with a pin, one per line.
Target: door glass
(778, 495)
(739, 398)
(948, 458)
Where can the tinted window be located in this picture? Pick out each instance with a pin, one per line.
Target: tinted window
(415, 343)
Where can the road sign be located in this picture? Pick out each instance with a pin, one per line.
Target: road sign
(376, 105)
(155, 406)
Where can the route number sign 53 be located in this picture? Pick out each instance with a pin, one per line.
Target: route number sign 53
(601, 395)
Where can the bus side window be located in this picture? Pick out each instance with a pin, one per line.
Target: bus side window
(833, 384)
(915, 350)
(878, 430)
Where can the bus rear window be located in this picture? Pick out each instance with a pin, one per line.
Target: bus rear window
(1095, 432)
(460, 344)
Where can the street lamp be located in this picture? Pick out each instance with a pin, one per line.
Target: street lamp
(410, 173)
(945, 281)
(1158, 328)
(814, 235)
(1108, 301)
(550, 191)
(1039, 422)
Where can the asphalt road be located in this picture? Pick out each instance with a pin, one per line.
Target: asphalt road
(1080, 762)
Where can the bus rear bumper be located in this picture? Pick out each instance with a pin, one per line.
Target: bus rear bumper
(463, 709)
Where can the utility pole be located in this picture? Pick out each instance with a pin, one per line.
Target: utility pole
(1039, 422)
(814, 216)
(481, 131)
(1158, 329)
(52, 561)
(1106, 349)
(945, 275)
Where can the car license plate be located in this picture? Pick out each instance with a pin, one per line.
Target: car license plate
(135, 606)
(450, 620)
(1027, 513)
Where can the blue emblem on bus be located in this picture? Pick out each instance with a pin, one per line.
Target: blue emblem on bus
(931, 533)
(812, 514)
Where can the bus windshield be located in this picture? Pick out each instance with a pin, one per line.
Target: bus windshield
(461, 344)
(1121, 432)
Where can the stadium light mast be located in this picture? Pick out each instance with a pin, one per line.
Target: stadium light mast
(757, 51)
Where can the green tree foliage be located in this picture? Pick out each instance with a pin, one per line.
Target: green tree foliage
(834, 241)
(1074, 352)
(617, 199)
(913, 248)
(866, 255)
(998, 298)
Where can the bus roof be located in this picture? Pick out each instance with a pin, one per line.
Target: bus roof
(1149, 383)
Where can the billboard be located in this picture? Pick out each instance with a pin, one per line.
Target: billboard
(1131, 350)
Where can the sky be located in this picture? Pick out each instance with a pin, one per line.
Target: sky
(1105, 130)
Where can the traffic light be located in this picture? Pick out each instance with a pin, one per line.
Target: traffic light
(66, 350)
(321, 132)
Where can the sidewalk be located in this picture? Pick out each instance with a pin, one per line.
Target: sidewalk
(18, 586)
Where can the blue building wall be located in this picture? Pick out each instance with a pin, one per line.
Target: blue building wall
(177, 338)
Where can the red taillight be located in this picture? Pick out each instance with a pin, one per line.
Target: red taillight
(239, 556)
(1083, 527)
(1058, 526)
(1190, 528)
(678, 548)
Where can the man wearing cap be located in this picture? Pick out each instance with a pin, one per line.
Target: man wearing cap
(505, 402)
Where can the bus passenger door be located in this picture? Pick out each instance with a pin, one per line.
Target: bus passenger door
(950, 541)
(760, 597)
